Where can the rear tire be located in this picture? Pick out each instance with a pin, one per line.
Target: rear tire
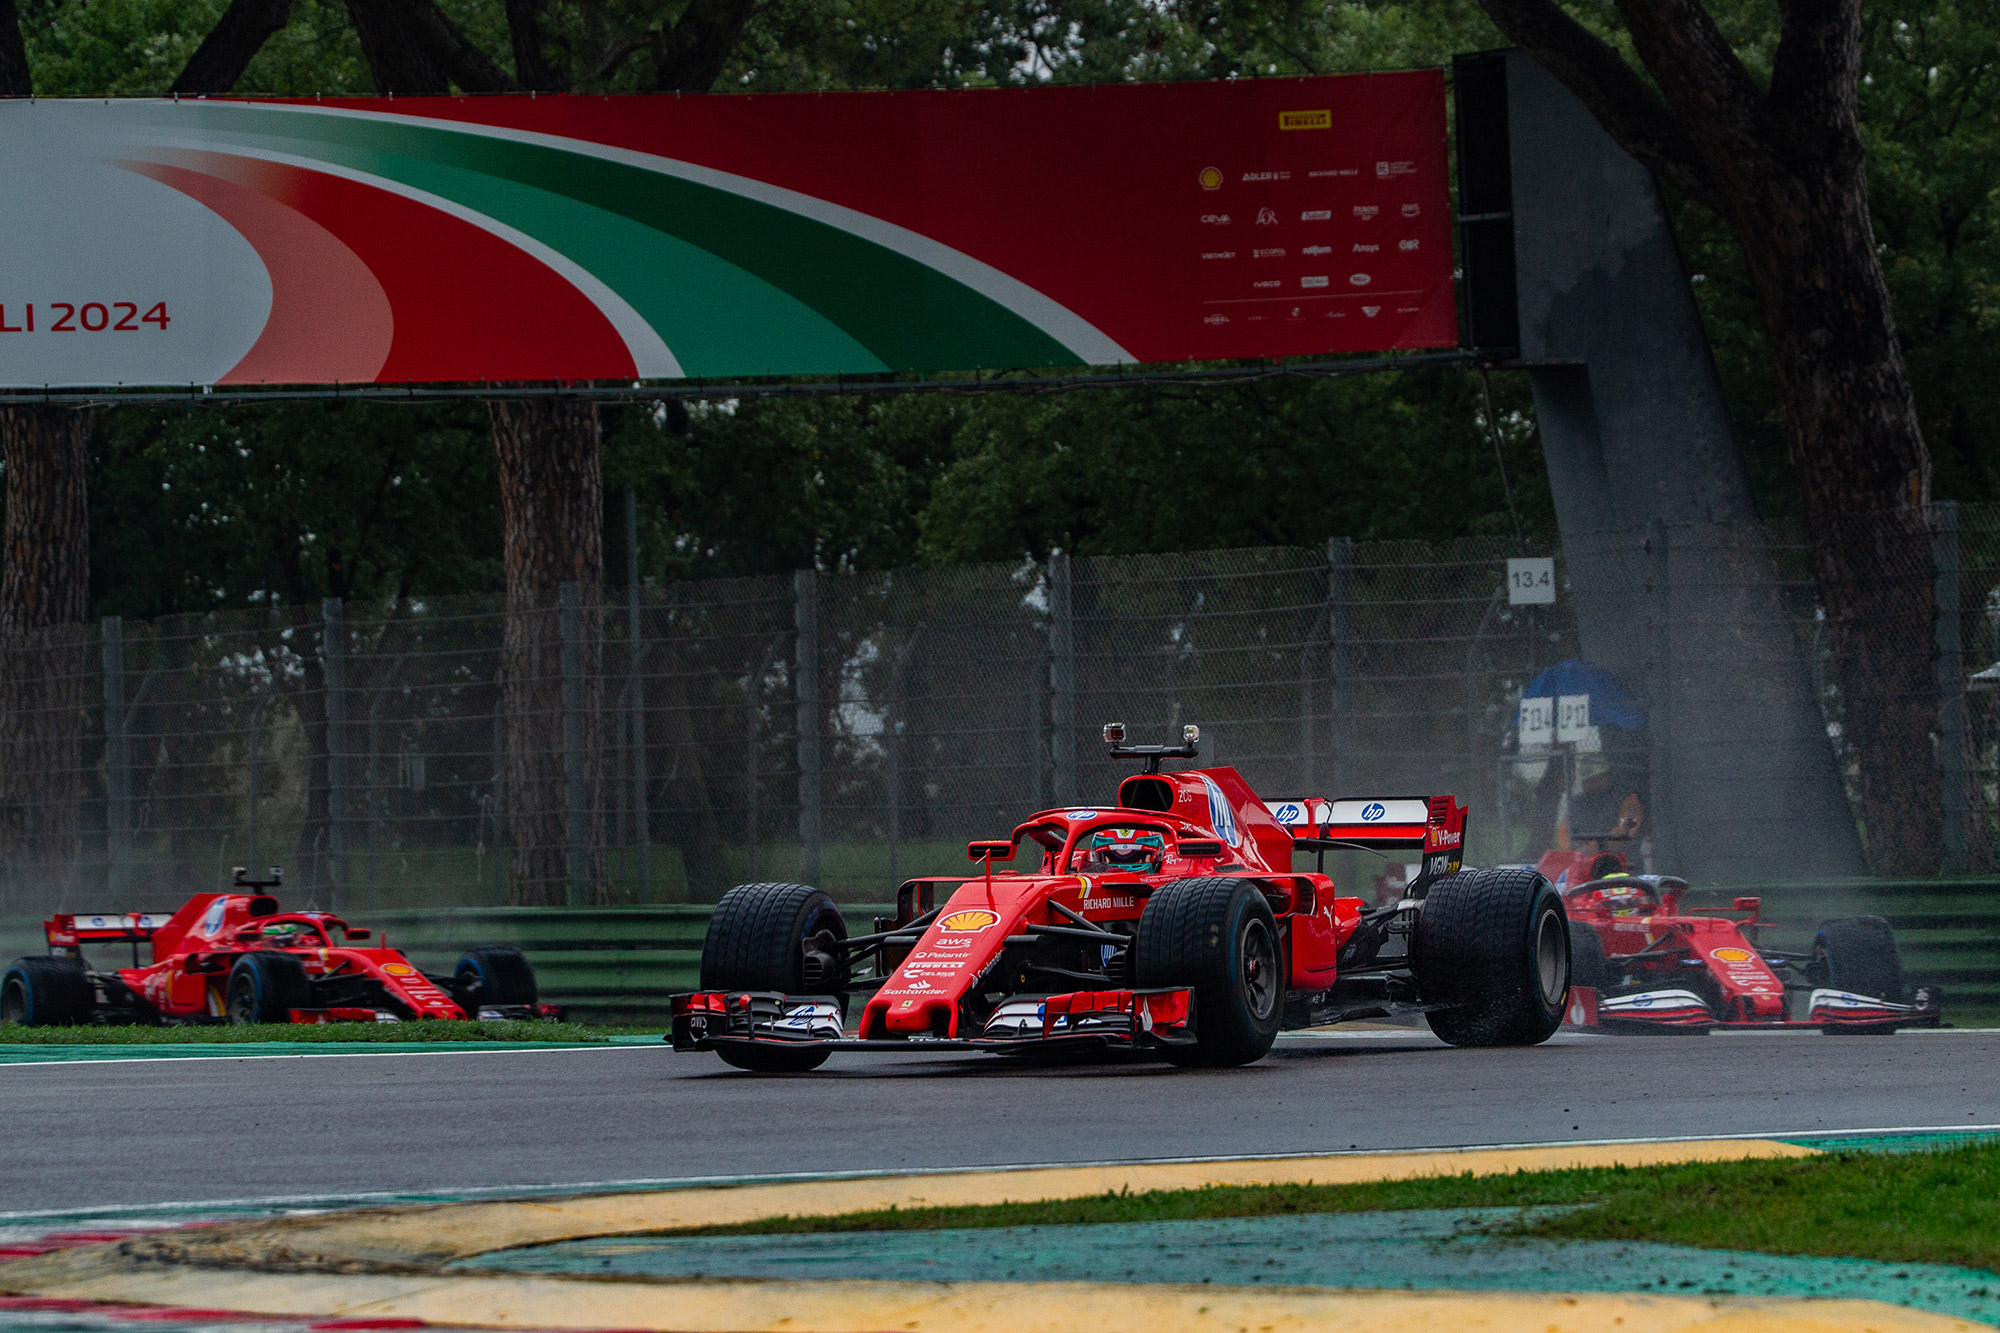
(1217, 937)
(1494, 946)
(1858, 954)
(44, 993)
(265, 987)
(494, 974)
(775, 937)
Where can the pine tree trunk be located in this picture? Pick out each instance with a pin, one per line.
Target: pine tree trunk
(1864, 473)
(552, 503)
(44, 602)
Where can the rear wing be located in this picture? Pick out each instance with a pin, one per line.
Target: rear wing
(69, 930)
(1434, 825)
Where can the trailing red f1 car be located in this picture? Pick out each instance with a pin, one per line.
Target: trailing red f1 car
(1640, 962)
(1171, 922)
(236, 958)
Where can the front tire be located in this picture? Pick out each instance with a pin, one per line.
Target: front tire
(1858, 954)
(1493, 947)
(1217, 937)
(775, 937)
(265, 987)
(45, 992)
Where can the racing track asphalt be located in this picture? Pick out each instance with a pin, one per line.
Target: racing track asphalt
(138, 1132)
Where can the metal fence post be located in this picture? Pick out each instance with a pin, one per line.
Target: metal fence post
(1062, 679)
(117, 765)
(636, 700)
(1660, 697)
(1339, 650)
(805, 625)
(333, 663)
(576, 788)
(1951, 691)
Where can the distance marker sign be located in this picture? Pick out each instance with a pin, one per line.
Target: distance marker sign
(512, 238)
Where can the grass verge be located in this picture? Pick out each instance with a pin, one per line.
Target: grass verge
(430, 1030)
(1929, 1206)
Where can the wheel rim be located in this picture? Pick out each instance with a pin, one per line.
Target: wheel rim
(242, 1002)
(13, 1004)
(1260, 969)
(1551, 960)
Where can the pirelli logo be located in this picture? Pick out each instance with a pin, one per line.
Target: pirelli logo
(1305, 120)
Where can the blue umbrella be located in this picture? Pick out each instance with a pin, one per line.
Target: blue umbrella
(1611, 704)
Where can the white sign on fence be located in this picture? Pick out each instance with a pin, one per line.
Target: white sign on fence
(1532, 581)
(1538, 722)
(1572, 718)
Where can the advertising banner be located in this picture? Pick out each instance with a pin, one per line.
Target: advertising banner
(527, 238)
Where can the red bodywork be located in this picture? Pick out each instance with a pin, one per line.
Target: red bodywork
(1701, 968)
(1211, 823)
(195, 948)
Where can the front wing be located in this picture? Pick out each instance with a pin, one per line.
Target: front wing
(1827, 1009)
(1129, 1019)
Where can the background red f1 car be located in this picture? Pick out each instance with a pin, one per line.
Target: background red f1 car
(1639, 961)
(1171, 922)
(237, 958)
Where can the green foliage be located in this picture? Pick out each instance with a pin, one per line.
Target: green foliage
(198, 509)
(1935, 1206)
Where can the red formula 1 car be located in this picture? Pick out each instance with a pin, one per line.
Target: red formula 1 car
(1641, 962)
(237, 958)
(1171, 922)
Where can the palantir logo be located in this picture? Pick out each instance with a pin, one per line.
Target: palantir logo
(1372, 812)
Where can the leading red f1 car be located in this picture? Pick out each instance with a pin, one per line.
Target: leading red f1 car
(1642, 962)
(1171, 922)
(238, 958)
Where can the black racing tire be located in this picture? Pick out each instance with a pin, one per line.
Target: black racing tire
(1493, 948)
(1217, 937)
(758, 937)
(45, 993)
(1587, 966)
(265, 987)
(1858, 954)
(773, 1058)
(496, 974)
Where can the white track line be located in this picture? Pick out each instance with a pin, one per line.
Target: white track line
(552, 1048)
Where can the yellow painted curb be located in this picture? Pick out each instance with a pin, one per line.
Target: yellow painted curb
(506, 1301)
(387, 1262)
(440, 1233)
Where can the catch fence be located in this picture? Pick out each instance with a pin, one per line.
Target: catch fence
(657, 744)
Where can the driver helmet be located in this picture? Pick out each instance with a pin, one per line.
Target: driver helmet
(288, 935)
(1622, 896)
(1127, 849)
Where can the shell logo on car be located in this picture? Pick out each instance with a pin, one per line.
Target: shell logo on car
(972, 919)
(1732, 955)
(399, 969)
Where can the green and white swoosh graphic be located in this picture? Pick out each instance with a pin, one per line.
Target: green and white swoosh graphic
(734, 276)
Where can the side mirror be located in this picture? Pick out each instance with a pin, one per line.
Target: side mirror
(1198, 849)
(1747, 905)
(989, 851)
(354, 933)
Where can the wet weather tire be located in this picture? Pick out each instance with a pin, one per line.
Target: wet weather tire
(775, 937)
(45, 992)
(1493, 947)
(1858, 954)
(1216, 936)
(265, 987)
(494, 974)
